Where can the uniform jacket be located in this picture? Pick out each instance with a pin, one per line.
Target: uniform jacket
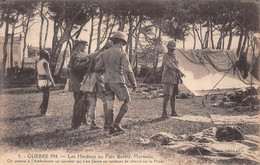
(78, 66)
(170, 69)
(93, 79)
(114, 61)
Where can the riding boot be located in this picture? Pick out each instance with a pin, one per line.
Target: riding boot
(106, 125)
(110, 119)
(165, 102)
(116, 124)
(173, 106)
(122, 112)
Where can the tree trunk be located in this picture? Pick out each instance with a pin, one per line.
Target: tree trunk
(12, 43)
(54, 45)
(223, 41)
(137, 32)
(121, 22)
(248, 43)
(99, 29)
(219, 41)
(41, 27)
(63, 59)
(64, 38)
(239, 43)
(194, 38)
(211, 36)
(244, 43)
(106, 31)
(157, 44)
(130, 31)
(24, 43)
(77, 33)
(206, 37)
(199, 36)
(113, 25)
(5, 45)
(46, 33)
(230, 37)
(91, 34)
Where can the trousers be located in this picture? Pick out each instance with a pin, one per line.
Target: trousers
(45, 99)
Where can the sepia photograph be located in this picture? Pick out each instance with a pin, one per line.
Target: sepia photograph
(117, 82)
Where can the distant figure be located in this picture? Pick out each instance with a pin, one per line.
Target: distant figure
(114, 61)
(171, 77)
(93, 86)
(78, 65)
(44, 79)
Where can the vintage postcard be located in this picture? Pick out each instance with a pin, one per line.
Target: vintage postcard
(156, 82)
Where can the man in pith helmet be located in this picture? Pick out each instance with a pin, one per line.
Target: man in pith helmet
(171, 77)
(114, 61)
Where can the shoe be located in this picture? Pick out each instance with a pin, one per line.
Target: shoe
(118, 127)
(94, 127)
(164, 115)
(174, 114)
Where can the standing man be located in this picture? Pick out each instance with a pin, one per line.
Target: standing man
(78, 66)
(114, 61)
(44, 79)
(171, 77)
(93, 86)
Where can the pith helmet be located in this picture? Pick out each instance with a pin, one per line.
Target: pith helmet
(171, 44)
(119, 35)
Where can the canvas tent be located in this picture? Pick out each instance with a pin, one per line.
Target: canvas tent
(204, 68)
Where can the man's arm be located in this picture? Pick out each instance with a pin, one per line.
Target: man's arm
(172, 65)
(129, 71)
(100, 63)
(79, 63)
(47, 70)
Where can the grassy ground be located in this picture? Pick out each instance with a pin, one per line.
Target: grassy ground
(22, 129)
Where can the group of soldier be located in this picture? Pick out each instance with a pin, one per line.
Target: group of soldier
(100, 75)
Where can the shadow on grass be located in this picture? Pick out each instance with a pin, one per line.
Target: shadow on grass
(27, 90)
(56, 139)
(22, 118)
(143, 122)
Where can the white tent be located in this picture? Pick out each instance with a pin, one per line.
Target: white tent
(205, 68)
